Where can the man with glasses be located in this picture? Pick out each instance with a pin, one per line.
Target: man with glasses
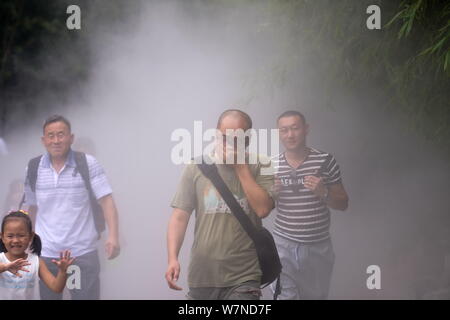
(64, 212)
(309, 183)
(224, 264)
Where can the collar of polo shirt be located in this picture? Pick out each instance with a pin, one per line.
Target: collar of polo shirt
(70, 161)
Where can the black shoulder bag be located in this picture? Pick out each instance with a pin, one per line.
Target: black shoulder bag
(266, 249)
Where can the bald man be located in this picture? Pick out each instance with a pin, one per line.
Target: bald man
(224, 264)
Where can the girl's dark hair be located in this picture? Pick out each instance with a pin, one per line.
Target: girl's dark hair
(36, 245)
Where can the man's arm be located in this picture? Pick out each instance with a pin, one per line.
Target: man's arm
(112, 221)
(337, 197)
(175, 236)
(260, 201)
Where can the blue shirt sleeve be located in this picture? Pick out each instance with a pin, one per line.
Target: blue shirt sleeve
(99, 182)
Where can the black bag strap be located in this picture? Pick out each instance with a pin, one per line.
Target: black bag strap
(32, 173)
(277, 288)
(83, 168)
(211, 172)
(22, 201)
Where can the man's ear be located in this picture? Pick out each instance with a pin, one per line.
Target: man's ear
(42, 140)
(307, 128)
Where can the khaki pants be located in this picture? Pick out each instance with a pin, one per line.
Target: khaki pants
(246, 291)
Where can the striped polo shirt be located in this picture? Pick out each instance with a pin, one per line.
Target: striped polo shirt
(64, 220)
(302, 216)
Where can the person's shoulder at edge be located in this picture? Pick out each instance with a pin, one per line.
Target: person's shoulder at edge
(190, 167)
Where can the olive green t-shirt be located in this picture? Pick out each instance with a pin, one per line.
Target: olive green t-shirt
(222, 254)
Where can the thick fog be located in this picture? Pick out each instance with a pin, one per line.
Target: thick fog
(182, 63)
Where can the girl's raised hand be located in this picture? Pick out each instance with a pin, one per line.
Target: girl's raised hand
(65, 260)
(16, 266)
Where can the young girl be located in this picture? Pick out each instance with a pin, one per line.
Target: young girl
(19, 270)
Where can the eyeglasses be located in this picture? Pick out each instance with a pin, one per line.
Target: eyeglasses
(59, 135)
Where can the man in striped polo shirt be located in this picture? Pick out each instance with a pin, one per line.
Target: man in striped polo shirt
(64, 213)
(309, 183)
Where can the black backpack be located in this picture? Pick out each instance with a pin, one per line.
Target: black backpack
(83, 169)
(266, 250)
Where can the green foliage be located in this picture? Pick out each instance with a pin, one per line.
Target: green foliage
(40, 57)
(406, 63)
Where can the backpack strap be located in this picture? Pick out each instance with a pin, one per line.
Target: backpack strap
(83, 168)
(32, 173)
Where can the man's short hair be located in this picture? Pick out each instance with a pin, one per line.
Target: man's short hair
(292, 113)
(56, 118)
(238, 113)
